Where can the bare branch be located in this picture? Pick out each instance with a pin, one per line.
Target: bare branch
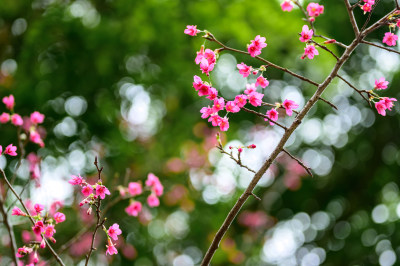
(326, 38)
(238, 161)
(328, 102)
(325, 48)
(351, 16)
(10, 230)
(264, 116)
(308, 169)
(354, 88)
(381, 47)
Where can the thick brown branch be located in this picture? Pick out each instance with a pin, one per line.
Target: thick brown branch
(308, 169)
(352, 18)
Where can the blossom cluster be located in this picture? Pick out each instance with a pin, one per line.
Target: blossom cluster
(313, 9)
(241, 147)
(381, 103)
(135, 189)
(112, 232)
(30, 125)
(43, 228)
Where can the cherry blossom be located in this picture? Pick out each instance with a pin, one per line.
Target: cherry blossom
(381, 84)
(114, 231)
(306, 34)
(224, 124)
(49, 231)
(153, 201)
(17, 212)
(381, 107)
(102, 191)
(255, 98)
(76, 180)
(261, 81)
(87, 190)
(240, 100)
(59, 217)
(390, 39)
(191, 30)
(244, 69)
(16, 120)
(37, 118)
(215, 120)
(9, 102)
(111, 248)
(309, 52)
(289, 105)
(314, 9)
(273, 115)
(38, 208)
(134, 208)
(11, 150)
(287, 6)
(219, 105)
(134, 189)
(206, 112)
(232, 107)
(4, 118)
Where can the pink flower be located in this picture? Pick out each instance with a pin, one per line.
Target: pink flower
(11, 150)
(273, 115)
(253, 50)
(16, 120)
(111, 248)
(197, 82)
(309, 52)
(289, 105)
(36, 138)
(191, 30)
(224, 124)
(398, 23)
(287, 6)
(232, 107)
(38, 208)
(9, 102)
(381, 107)
(204, 90)
(206, 59)
(250, 88)
(37, 118)
(255, 98)
(219, 105)
(314, 9)
(366, 8)
(244, 69)
(240, 100)
(306, 34)
(261, 81)
(206, 112)
(152, 180)
(215, 120)
(4, 118)
(389, 102)
(76, 180)
(158, 189)
(134, 189)
(199, 86)
(17, 212)
(381, 84)
(206, 67)
(212, 94)
(153, 201)
(59, 217)
(390, 39)
(114, 231)
(23, 251)
(38, 228)
(199, 55)
(259, 42)
(134, 208)
(101, 191)
(87, 190)
(49, 231)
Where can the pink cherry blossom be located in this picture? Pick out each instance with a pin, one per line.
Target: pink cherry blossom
(244, 69)
(16, 120)
(381, 107)
(261, 81)
(38, 208)
(273, 115)
(250, 88)
(389, 102)
(76, 180)
(240, 100)
(23, 251)
(366, 8)
(114, 231)
(11, 150)
(206, 67)
(232, 107)
(134, 189)
(206, 59)
(253, 50)
(9, 102)
(158, 189)
(206, 112)
(38, 228)
(224, 124)
(37, 118)
(35, 137)
(314, 9)
(134, 208)
(49, 231)
(152, 180)
(398, 23)
(17, 212)
(381, 84)
(289, 105)
(102, 191)
(287, 6)
(390, 39)
(199, 55)
(191, 30)
(111, 248)
(306, 34)
(87, 190)
(219, 105)
(212, 94)
(59, 217)
(153, 201)
(309, 52)
(255, 98)
(4, 118)
(215, 120)
(259, 42)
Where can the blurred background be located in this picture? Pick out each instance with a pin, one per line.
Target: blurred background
(114, 79)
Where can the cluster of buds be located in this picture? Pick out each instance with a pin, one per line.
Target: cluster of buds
(112, 232)
(30, 125)
(381, 103)
(44, 227)
(241, 147)
(135, 189)
(313, 9)
(391, 38)
(91, 192)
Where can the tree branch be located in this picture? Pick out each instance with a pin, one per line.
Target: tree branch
(354, 88)
(352, 18)
(10, 229)
(328, 102)
(381, 47)
(238, 161)
(308, 169)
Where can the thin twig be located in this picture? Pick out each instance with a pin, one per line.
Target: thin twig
(381, 47)
(296, 2)
(325, 48)
(264, 116)
(308, 169)
(397, 4)
(352, 18)
(336, 42)
(30, 217)
(328, 102)
(238, 161)
(211, 37)
(354, 88)
(255, 196)
(369, 16)
(10, 229)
